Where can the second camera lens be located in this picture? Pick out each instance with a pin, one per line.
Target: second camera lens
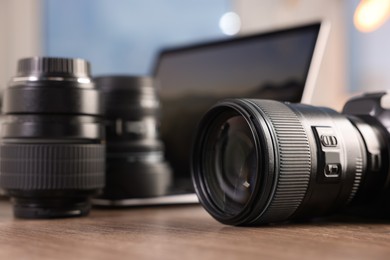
(51, 153)
(136, 167)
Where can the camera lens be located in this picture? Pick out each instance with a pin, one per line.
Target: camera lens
(262, 161)
(135, 155)
(51, 153)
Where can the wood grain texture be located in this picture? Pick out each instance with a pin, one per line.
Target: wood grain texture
(185, 233)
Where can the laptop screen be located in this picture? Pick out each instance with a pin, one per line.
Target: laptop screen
(272, 65)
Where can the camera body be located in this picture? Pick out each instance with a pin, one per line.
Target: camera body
(373, 108)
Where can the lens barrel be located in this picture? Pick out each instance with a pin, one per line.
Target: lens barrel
(136, 167)
(262, 161)
(52, 158)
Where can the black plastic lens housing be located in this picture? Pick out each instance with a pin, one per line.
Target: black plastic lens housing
(262, 161)
(52, 156)
(136, 167)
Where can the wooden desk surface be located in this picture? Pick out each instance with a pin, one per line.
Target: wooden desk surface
(186, 232)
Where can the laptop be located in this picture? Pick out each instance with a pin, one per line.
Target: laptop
(280, 64)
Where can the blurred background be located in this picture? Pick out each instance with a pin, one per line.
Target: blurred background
(124, 36)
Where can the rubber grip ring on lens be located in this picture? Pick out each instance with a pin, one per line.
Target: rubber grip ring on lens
(293, 163)
(52, 166)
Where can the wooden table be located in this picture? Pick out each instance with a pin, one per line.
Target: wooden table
(185, 232)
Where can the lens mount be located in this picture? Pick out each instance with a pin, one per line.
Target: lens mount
(50, 204)
(51, 68)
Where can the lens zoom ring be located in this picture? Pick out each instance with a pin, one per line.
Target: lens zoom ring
(52, 166)
(294, 161)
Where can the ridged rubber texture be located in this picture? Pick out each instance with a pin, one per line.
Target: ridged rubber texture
(52, 166)
(358, 178)
(293, 162)
(50, 66)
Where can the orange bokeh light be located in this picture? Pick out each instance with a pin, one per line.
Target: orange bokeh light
(371, 14)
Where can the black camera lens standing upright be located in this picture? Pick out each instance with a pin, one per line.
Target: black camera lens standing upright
(262, 161)
(136, 167)
(51, 154)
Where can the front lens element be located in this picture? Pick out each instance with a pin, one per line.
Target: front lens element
(232, 163)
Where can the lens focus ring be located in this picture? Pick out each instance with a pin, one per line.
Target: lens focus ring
(52, 166)
(294, 168)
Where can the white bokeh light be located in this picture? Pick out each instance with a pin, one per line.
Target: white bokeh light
(230, 23)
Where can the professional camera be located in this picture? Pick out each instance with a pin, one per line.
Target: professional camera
(261, 161)
(52, 156)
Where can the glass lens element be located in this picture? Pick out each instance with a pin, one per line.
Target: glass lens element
(232, 160)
